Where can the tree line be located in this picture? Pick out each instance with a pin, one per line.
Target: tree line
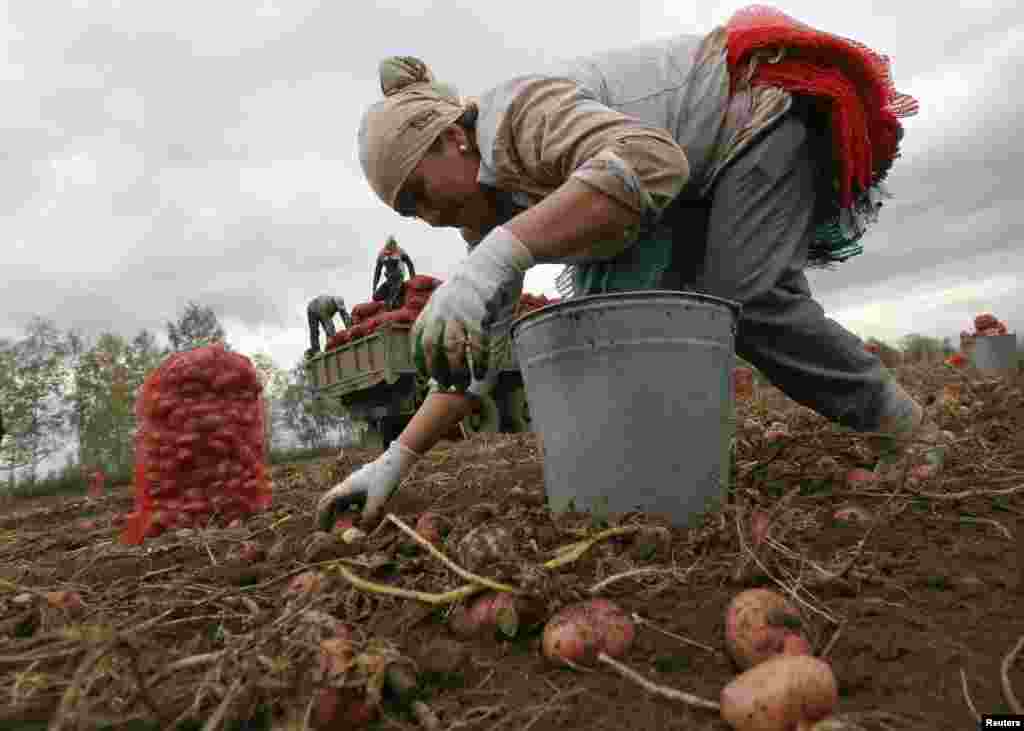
(68, 392)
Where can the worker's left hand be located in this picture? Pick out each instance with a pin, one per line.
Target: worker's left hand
(450, 335)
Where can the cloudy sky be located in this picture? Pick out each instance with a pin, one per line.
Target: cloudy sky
(159, 152)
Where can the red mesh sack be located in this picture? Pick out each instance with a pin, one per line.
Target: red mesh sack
(423, 283)
(199, 445)
(403, 315)
(985, 321)
(416, 298)
(853, 82)
(338, 339)
(366, 310)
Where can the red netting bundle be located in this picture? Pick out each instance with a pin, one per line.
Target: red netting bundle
(987, 325)
(371, 315)
(529, 302)
(199, 445)
(423, 283)
(853, 82)
(365, 310)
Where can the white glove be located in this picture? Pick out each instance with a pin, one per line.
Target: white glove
(370, 485)
(450, 335)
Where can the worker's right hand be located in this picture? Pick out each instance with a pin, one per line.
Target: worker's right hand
(370, 486)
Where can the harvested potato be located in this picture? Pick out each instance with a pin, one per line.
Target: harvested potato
(780, 694)
(580, 632)
(757, 624)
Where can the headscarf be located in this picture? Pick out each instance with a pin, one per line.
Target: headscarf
(397, 131)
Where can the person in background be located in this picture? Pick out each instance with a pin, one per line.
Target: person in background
(724, 163)
(390, 259)
(320, 312)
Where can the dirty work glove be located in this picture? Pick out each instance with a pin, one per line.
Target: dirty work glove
(450, 335)
(371, 486)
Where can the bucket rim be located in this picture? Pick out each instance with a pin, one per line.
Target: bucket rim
(733, 305)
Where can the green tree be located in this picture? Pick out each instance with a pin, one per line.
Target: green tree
(275, 385)
(310, 417)
(921, 348)
(197, 326)
(107, 380)
(32, 389)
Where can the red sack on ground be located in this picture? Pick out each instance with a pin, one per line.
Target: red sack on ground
(199, 445)
(365, 310)
(423, 283)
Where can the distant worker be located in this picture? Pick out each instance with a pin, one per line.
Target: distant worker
(390, 259)
(320, 312)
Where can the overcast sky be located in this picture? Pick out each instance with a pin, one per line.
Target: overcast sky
(158, 152)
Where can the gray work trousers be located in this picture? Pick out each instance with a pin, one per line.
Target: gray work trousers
(748, 241)
(315, 323)
(759, 224)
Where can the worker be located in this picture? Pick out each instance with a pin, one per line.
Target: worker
(390, 259)
(723, 163)
(320, 312)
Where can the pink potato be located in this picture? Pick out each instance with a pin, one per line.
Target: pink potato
(758, 623)
(342, 708)
(494, 612)
(860, 477)
(578, 633)
(781, 694)
(432, 527)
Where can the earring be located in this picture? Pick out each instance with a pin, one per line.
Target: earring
(462, 148)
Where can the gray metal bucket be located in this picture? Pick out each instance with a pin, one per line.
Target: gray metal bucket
(995, 354)
(631, 394)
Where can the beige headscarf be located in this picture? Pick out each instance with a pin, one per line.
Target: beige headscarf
(396, 132)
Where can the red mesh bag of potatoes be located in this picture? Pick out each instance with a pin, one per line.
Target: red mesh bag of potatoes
(403, 315)
(365, 310)
(357, 331)
(423, 283)
(985, 321)
(199, 446)
(416, 298)
(338, 339)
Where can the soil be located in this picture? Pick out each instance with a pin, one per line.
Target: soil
(933, 594)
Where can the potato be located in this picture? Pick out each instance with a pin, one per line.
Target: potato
(493, 612)
(760, 524)
(757, 623)
(779, 694)
(852, 514)
(342, 708)
(860, 477)
(310, 582)
(69, 602)
(652, 542)
(580, 632)
(432, 527)
(247, 552)
(776, 432)
(484, 545)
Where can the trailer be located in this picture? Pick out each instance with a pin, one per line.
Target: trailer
(375, 379)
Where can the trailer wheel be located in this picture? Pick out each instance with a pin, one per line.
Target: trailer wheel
(484, 420)
(517, 410)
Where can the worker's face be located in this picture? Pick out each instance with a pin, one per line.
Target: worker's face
(443, 189)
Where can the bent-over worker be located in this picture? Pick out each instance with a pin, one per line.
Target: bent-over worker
(725, 164)
(320, 312)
